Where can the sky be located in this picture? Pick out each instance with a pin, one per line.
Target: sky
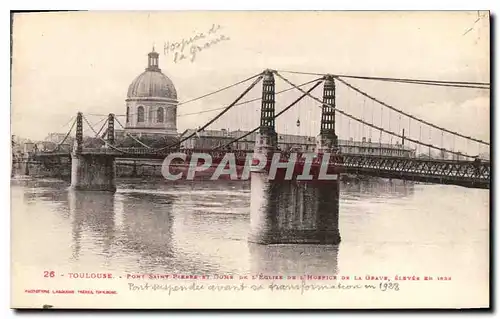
(84, 61)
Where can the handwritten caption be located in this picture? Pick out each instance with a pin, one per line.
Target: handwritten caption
(189, 48)
(301, 287)
(178, 283)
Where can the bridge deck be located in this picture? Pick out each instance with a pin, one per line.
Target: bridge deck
(466, 173)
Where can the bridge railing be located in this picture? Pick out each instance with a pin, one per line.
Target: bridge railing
(444, 168)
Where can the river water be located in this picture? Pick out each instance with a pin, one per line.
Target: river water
(387, 228)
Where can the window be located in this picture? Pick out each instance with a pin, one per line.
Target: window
(140, 114)
(159, 115)
(128, 114)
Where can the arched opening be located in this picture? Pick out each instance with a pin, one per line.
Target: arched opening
(128, 114)
(140, 114)
(160, 115)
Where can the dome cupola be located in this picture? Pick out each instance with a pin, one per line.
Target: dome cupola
(151, 102)
(152, 83)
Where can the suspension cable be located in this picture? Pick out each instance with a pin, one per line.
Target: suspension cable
(371, 131)
(366, 123)
(194, 99)
(221, 108)
(414, 81)
(399, 125)
(100, 121)
(430, 141)
(433, 84)
(420, 138)
(219, 90)
(215, 118)
(247, 101)
(133, 137)
(409, 127)
(390, 127)
(381, 122)
(99, 132)
(71, 119)
(362, 127)
(275, 116)
(65, 137)
(410, 115)
(103, 140)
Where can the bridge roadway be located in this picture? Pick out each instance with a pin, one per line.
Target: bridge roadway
(474, 174)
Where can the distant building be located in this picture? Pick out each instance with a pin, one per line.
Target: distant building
(55, 140)
(374, 148)
(209, 139)
(45, 146)
(443, 154)
(458, 157)
(28, 147)
(120, 134)
(484, 156)
(55, 137)
(21, 145)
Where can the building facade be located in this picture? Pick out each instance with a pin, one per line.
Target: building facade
(218, 138)
(55, 137)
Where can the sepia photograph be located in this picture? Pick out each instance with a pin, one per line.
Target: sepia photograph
(250, 160)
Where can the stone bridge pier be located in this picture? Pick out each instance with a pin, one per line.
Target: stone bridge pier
(294, 211)
(92, 171)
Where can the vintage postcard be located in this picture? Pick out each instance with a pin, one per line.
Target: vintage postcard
(250, 159)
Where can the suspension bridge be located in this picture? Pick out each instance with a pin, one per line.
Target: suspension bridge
(293, 211)
(451, 167)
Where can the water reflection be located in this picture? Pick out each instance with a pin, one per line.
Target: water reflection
(91, 215)
(45, 194)
(146, 229)
(379, 188)
(41, 189)
(156, 226)
(182, 185)
(211, 224)
(294, 259)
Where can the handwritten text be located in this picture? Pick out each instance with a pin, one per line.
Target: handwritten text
(188, 49)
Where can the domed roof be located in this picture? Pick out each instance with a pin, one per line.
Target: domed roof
(152, 82)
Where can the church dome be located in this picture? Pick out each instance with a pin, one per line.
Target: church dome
(152, 83)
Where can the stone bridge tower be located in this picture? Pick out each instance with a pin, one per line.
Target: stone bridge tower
(293, 211)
